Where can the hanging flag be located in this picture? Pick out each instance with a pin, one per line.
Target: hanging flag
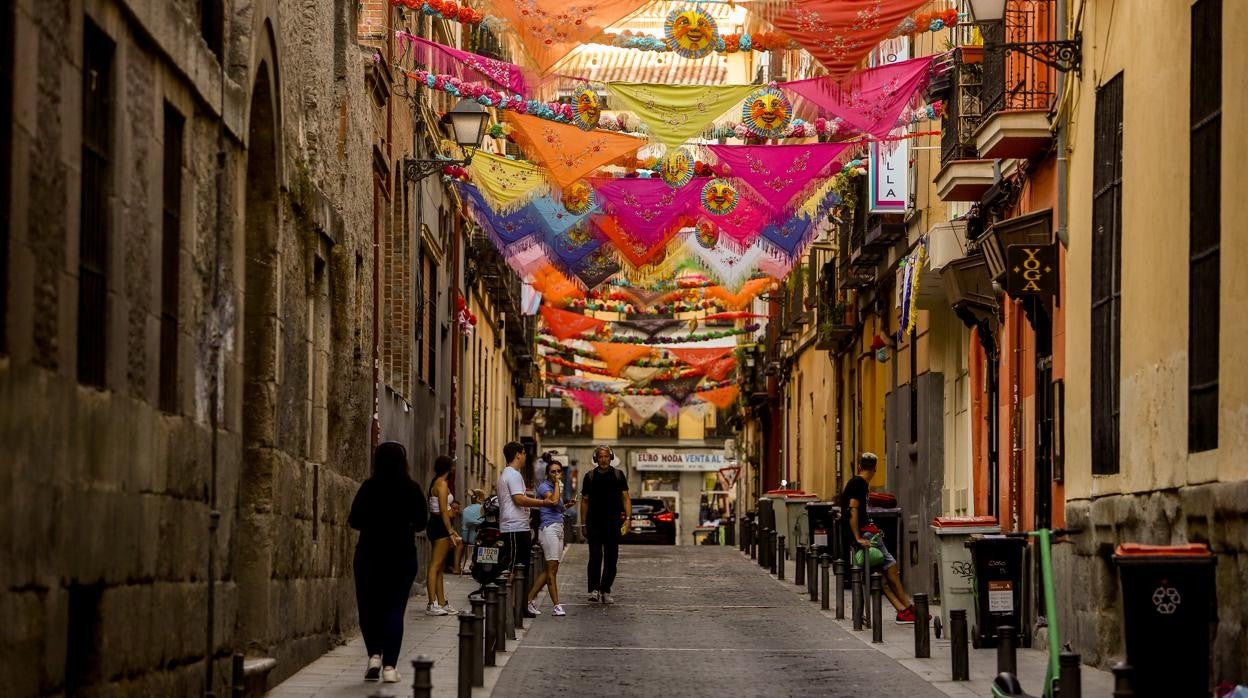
(567, 325)
(646, 210)
(550, 29)
(596, 268)
(636, 252)
(718, 370)
(506, 184)
(872, 100)
(555, 216)
(743, 225)
(721, 398)
(677, 388)
(589, 401)
(569, 248)
(838, 33)
(676, 113)
(506, 229)
(554, 286)
(642, 407)
(781, 174)
(699, 358)
(463, 65)
(790, 237)
(740, 299)
(617, 355)
(729, 266)
(567, 152)
(650, 326)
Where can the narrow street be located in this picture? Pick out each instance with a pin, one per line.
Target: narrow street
(694, 621)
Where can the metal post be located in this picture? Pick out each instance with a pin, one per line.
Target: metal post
(1122, 681)
(855, 595)
(838, 566)
(1007, 657)
(753, 540)
(824, 563)
(959, 653)
(467, 646)
(778, 563)
(520, 599)
(812, 573)
(478, 639)
(506, 620)
(491, 625)
(238, 676)
(422, 677)
(799, 568)
(877, 607)
(762, 547)
(922, 640)
(730, 532)
(1070, 681)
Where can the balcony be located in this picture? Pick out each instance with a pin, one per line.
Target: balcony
(965, 180)
(968, 286)
(1018, 91)
(963, 105)
(946, 242)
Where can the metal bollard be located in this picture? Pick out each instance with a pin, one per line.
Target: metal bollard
(877, 607)
(730, 532)
(922, 638)
(520, 597)
(753, 540)
(1070, 682)
(812, 573)
(799, 567)
(506, 618)
(1007, 655)
(855, 596)
(824, 563)
(959, 653)
(763, 536)
(1122, 680)
(780, 555)
(491, 625)
(422, 677)
(838, 567)
(238, 676)
(478, 639)
(466, 647)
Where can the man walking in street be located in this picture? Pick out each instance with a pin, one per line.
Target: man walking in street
(854, 525)
(513, 520)
(605, 507)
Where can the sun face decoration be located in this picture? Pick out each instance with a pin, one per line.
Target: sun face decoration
(676, 168)
(579, 198)
(708, 235)
(720, 197)
(767, 112)
(691, 33)
(586, 108)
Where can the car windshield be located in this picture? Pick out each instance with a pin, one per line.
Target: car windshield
(646, 506)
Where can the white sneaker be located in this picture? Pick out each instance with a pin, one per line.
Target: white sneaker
(606, 598)
(449, 610)
(559, 610)
(434, 610)
(390, 675)
(594, 597)
(373, 672)
(533, 609)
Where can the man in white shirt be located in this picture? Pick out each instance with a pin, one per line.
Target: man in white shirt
(513, 519)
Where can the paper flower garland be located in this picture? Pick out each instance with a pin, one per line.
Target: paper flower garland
(720, 197)
(676, 168)
(586, 108)
(579, 198)
(691, 32)
(707, 235)
(767, 113)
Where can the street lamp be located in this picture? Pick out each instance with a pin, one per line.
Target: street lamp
(466, 125)
(1065, 55)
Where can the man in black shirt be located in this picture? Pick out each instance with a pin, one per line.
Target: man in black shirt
(605, 506)
(853, 525)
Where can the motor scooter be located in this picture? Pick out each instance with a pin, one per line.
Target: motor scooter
(491, 555)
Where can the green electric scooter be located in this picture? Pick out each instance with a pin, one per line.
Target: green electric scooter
(1006, 685)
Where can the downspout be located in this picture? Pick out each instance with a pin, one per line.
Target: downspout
(1063, 163)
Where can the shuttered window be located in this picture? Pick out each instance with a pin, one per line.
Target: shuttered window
(1205, 226)
(1107, 277)
(170, 245)
(97, 125)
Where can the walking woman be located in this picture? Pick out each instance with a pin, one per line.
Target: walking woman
(550, 535)
(388, 510)
(470, 521)
(442, 537)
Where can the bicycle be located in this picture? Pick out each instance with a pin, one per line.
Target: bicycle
(1006, 685)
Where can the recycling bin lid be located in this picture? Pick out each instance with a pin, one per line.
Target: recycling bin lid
(1138, 552)
(965, 525)
(775, 494)
(801, 497)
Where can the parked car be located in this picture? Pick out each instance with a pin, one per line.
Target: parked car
(653, 522)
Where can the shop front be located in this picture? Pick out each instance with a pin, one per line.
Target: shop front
(690, 482)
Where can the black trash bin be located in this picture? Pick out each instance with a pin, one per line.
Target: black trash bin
(889, 521)
(766, 513)
(1169, 608)
(821, 524)
(998, 565)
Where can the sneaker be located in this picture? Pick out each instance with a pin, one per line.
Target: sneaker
(390, 675)
(434, 610)
(449, 610)
(594, 597)
(905, 616)
(558, 610)
(532, 608)
(373, 672)
(606, 598)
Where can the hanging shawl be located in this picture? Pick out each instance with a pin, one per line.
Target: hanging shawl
(595, 268)
(790, 237)
(650, 326)
(719, 370)
(589, 401)
(555, 286)
(676, 113)
(617, 355)
(780, 174)
(526, 258)
(567, 152)
(637, 252)
(555, 216)
(645, 209)
(566, 325)
(838, 33)
(677, 388)
(699, 358)
(640, 376)
(568, 248)
(743, 225)
(550, 29)
(507, 184)
(872, 100)
(505, 230)
(644, 299)
(740, 299)
(464, 66)
(729, 266)
(776, 265)
(721, 398)
(643, 407)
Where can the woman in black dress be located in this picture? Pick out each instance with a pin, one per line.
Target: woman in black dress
(388, 510)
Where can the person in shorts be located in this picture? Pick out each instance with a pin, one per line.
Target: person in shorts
(856, 527)
(513, 521)
(550, 536)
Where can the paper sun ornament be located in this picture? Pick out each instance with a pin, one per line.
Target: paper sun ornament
(691, 32)
(579, 198)
(677, 168)
(720, 197)
(586, 108)
(767, 112)
(707, 235)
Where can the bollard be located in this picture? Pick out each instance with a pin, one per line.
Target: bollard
(1122, 681)
(753, 540)
(238, 676)
(506, 619)
(855, 596)
(799, 566)
(422, 677)
(466, 648)
(958, 651)
(730, 532)
(478, 639)
(922, 640)
(877, 607)
(824, 563)
(491, 625)
(1070, 681)
(780, 550)
(812, 573)
(519, 599)
(838, 566)
(763, 536)
(1007, 656)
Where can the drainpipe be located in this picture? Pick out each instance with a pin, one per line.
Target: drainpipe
(1063, 163)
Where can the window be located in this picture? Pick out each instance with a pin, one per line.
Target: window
(97, 124)
(212, 25)
(1205, 227)
(170, 244)
(427, 338)
(1106, 277)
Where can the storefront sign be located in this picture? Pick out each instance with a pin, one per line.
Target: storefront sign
(1031, 270)
(693, 461)
(889, 168)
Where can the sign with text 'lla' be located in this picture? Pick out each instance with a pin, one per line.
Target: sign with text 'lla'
(1031, 270)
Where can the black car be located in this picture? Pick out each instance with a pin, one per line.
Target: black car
(653, 522)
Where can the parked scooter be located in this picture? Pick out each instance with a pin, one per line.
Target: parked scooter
(491, 555)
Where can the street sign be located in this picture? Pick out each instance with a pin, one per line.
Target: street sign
(1031, 270)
